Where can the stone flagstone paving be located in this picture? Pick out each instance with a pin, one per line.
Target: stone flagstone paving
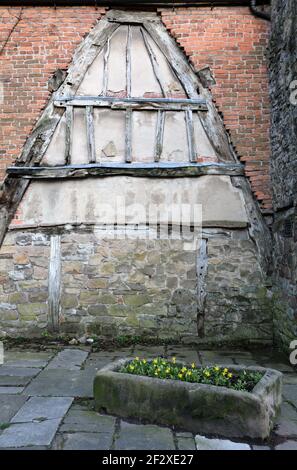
(46, 402)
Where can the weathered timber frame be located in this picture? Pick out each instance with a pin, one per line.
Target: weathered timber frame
(199, 99)
(149, 170)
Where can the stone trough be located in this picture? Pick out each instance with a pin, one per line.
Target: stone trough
(193, 407)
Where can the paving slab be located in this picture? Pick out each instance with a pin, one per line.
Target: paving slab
(282, 367)
(213, 358)
(290, 379)
(42, 408)
(11, 390)
(69, 359)
(12, 371)
(9, 405)
(87, 421)
(62, 383)
(27, 359)
(148, 351)
(288, 445)
(86, 441)
(290, 394)
(183, 354)
(29, 434)
(203, 443)
(10, 381)
(144, 437)
(96, 361)
(287, 421)
(186, 443)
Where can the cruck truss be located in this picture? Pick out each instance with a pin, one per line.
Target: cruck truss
(135, 105)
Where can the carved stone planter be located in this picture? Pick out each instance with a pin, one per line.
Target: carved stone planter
(194, 407)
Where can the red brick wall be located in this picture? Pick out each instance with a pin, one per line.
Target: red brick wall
(43, 41)
(230, 40)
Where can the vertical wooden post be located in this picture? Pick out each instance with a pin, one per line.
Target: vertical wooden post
(69, 126)
(105, 68)
(190, 135)
(128, 63)
(159, 135)
(128, 136)
(90, 134)
(54, 283)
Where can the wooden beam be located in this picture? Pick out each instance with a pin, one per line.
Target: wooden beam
(105, 67)
(154, 170)
(128, 62)
(68, 140)
(128, 136)
(159, 135)
(190, 135)
(198, 104)
(54, 283)
(154, 61)
(90, 134)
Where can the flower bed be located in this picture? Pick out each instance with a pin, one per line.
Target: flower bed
(229, 401)
(221, 376)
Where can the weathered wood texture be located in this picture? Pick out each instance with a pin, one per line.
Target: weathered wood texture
(201, 267)
(54, 283)
(159, 135)
(168, 104)
(190, 135)
(69, 127)
(156, 170)
(90, 134)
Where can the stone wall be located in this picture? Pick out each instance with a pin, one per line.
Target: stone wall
(283, 70)
(137, 287)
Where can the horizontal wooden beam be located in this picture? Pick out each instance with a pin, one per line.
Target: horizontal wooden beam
(170, 104)
(154, 170)
(130, 3)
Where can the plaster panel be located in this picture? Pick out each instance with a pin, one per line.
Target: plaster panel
(175, 146)
(117, 62)
(170, 82)
(93, 200)
(143, 79)
(55, 153)
(79, 152)
(143, 135)
(92, 83)
(109, 135)
(203, 145)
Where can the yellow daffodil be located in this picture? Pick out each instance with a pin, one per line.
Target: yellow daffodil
(132, 367)
(156, 373)
(183, 369)
(180, 376)
(229, 375)
(216, 368)
(136, 358)
(174, 360)
(144, 361)
(167, 371)
(207, 373)
(193, 365)
(155, 361)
